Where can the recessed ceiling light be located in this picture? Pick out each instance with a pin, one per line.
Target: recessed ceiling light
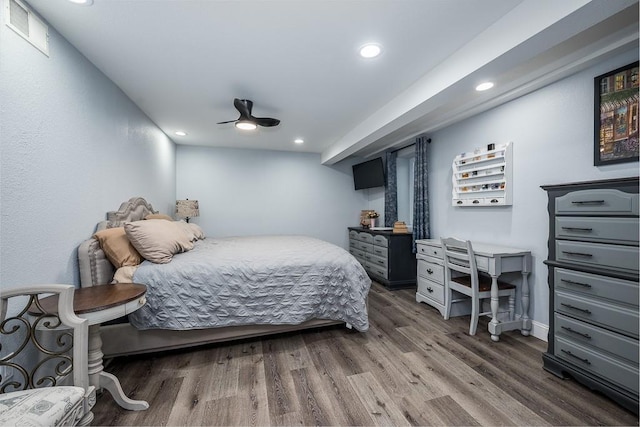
(181, 133)
(82, 2)
(245, 125)
(299, 141)
(484, 86)
(370, 50)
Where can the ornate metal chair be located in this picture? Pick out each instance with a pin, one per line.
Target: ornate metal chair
(43, 360)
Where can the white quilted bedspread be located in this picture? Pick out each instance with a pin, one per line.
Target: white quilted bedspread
(253, 280)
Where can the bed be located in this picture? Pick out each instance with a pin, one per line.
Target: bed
(219, 289)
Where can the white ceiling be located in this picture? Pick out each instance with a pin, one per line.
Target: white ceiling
(184, 61)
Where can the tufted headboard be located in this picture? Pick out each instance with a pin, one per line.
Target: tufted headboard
(95, 268)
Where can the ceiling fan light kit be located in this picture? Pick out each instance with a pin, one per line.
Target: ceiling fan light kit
(245, 125)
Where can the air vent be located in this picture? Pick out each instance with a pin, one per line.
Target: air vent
(21, 19)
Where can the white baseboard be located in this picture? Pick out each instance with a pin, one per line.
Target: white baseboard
(540, 330)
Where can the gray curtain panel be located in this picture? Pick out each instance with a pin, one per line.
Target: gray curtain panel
(391, 190)
(420, 196)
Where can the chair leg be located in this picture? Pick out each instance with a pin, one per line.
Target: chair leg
(512, 306)
(475, 313)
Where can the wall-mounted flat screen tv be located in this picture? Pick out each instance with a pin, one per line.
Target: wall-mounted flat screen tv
(368, 174)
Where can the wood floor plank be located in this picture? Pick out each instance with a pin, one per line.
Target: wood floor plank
(468, 394)
(337, 386)
(314, 407)
(388, 327)
(529, 386)
(449, 412)
(252, 401)
(376, 400)
(279, 383)
(505, 409)
(411, 368)
(159, 392)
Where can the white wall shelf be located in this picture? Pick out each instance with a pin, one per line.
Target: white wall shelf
(483, 177)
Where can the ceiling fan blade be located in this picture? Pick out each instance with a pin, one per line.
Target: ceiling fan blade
(266, 121)
(228, 121)
(244, 106)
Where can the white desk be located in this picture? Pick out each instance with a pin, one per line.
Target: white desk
(495, 260)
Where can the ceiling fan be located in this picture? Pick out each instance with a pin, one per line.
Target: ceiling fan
(246, 121)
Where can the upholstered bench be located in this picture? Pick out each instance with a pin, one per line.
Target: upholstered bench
(42, 406)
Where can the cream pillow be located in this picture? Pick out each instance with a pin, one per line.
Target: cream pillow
(197, 231)
(157, 240)
(117, 248)
(193, 231)
(187, 230)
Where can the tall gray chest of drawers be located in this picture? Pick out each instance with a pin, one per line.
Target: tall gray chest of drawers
(593, 286)
(387, 257)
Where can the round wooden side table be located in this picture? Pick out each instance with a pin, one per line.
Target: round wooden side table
(99, 304)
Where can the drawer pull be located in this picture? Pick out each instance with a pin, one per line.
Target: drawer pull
(380, 262)
(430, 271)
(568, 353)
(587, 336)
(577, 229)
(577, 254)
(573, 307)
(571, 282)
(435, 252)
(430, 290)
(588, 202)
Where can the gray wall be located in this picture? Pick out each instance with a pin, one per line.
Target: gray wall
(72, 146)
(552, 134)
(245, 192)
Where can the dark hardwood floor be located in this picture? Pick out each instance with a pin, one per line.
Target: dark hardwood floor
(411, 368)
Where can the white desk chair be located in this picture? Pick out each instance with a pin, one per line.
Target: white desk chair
(44, 377)
(459, 257)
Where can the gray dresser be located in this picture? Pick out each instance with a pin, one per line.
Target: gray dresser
(593, 286)
(386, 256)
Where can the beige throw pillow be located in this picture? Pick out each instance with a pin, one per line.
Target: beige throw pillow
(117, 248)
(157, 240)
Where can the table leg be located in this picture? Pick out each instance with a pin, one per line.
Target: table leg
(495, 303)
(100, 379)
(526, 322)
